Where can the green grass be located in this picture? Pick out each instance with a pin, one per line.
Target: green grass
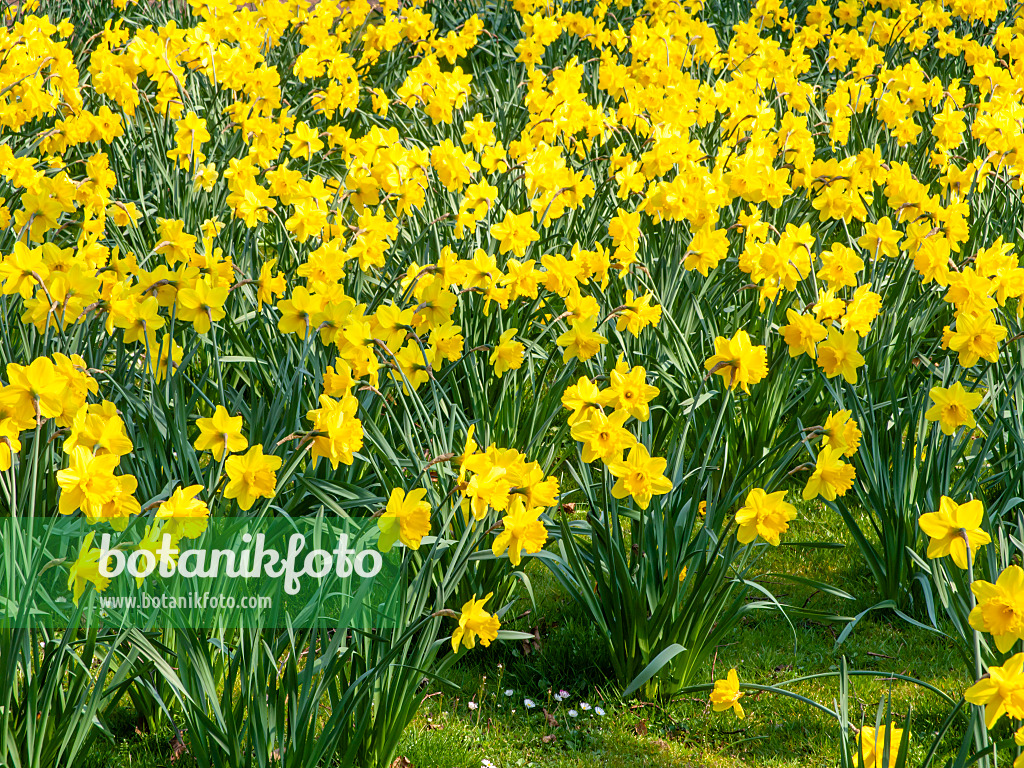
(777, 731)
(767, 650)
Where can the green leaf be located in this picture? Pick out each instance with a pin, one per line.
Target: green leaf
(652, 669)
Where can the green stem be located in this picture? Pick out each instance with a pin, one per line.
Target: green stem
(981, 732)
(770, 689)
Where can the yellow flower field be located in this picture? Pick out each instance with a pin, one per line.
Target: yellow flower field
(616, 290)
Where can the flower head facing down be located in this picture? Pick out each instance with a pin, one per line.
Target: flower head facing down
(475, 622)
(727, 694)
(34, 390)
(949, 526)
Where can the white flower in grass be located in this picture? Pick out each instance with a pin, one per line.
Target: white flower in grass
(529, 703)
(573, 713)
(584, 706)
(599, 711)
(472, 705)
(509, 691)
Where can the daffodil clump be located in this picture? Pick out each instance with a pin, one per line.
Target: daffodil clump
(86, 248)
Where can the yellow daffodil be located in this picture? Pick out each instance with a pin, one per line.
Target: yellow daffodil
(251, 476)
(802, 334)
(86, 570)
(727, 695)
(873, 742)
(508, 353)
(738, 362)
(831, 477)
(475, 622)
(764, 514)
(640, 476)
(522, 531)
(953, 407)
(1001, 692)
(842, 433)
(220, 433)
(948, 527)
(629, 391)
(185, 515)
(1000, 607)
(581, 340)
(603, 437)
(838, 355)
(406, 517)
